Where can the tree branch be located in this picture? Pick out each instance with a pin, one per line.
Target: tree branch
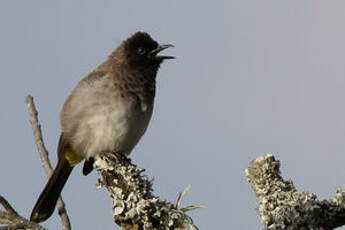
(134, 205)
(13, 220)
(36, 128)
(281, 206)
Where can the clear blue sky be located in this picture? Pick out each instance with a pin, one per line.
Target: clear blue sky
(251, 77)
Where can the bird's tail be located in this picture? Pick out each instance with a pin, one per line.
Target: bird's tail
(46, 202)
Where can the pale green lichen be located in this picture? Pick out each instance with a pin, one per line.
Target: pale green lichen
(281, 206)
(133, 201)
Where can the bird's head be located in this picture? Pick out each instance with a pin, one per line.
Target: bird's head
(141, 51)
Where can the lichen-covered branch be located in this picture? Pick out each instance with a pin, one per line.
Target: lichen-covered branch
(12, 220)
(134, 205)
(281, 206)
(36, 128)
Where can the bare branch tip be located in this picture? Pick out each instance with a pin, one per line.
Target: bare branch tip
(7, 206)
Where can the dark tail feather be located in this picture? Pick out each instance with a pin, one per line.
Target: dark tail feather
(46, 202)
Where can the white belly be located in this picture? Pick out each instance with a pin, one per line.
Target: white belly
(116, 127)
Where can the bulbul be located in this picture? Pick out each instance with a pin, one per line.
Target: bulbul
(108, 110)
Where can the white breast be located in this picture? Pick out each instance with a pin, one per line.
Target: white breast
(117, 128)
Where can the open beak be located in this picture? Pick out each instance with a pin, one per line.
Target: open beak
(160, 48)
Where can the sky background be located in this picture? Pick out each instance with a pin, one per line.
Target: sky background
(251, 77)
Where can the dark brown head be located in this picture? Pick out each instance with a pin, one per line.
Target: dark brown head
(141, 51)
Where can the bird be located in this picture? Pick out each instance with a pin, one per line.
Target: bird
(108, 110)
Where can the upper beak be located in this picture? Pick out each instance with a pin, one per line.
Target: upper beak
(160, 48)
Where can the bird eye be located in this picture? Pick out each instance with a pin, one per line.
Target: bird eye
(141, 51)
